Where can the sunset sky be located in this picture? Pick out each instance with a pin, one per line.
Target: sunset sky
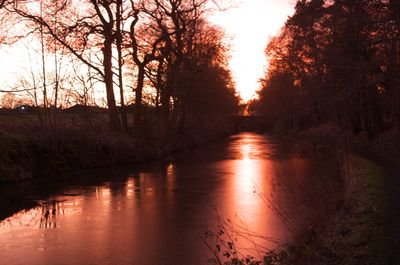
(250, 24)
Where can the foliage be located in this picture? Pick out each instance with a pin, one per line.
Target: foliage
(335, 61)
(165, 47)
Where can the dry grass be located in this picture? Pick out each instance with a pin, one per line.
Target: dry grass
(78, 142)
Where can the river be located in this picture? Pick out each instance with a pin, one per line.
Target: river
(260, 190)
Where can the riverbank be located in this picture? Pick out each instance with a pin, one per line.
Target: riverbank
(385, 145)
(366, 227)
(357, 234)
(34, 152)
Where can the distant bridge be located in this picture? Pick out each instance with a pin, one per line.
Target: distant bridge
(250, 123)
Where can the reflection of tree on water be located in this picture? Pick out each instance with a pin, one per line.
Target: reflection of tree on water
(49, 212)
(44, 216)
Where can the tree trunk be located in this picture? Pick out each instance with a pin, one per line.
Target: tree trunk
(139, 95)
(165, 101)
(120, 78)
(166, 92)
(56, 87)
(159, 82)
(108, 80)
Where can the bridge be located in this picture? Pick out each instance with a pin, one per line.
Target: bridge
(250, 123)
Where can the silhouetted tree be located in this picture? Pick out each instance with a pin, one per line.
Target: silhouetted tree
(144, 48)
(205, 83)
(190, 61)
(119, 38)
(89, 25)
(336, 56)
(167, 46)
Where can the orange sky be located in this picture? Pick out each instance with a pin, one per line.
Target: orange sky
(250, 24)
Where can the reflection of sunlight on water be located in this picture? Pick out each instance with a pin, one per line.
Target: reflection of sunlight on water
(171, 173)
(248, 175)
(104, 194)
(245, 149)
(171, 179)
(130, 187)
(252, 221)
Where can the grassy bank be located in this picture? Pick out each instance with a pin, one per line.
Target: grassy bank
(385, 145)
(356, 234)
(359, 236)
(28, 151)
(360, 232)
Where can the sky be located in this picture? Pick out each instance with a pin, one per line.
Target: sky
(249, 24)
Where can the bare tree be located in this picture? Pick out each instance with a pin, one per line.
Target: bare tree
(144, 50)
(119, 20)
(79, 31)
(176, 22)
(2, 3)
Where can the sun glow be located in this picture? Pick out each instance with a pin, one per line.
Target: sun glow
(251, 23)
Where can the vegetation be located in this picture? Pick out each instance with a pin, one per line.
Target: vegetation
(80, 142)
(335, 62)
(162, 67)
(355, 234)
(166, 50)
(164, 60)
(334, 77)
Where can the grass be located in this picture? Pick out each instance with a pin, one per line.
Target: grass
(360, 232)
(15, 157)
(73, 143)
(359, 236)
(356, 235)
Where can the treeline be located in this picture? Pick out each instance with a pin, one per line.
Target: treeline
(336, 62)
(163, 49)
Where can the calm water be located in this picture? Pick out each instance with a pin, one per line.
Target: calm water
(250, 184)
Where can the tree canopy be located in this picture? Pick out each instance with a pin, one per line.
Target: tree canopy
(335, 61)
(166, 47)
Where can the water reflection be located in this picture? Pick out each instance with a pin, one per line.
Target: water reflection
(155, 215)
(49, 215)
(43, 216)
(254, 226)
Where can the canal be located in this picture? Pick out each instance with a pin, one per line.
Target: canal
(260, 190)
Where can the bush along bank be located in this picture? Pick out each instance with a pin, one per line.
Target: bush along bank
(51, 152)
(386, 145)
(16, 158)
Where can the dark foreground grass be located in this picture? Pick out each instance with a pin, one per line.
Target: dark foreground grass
(357, 234)
(15, 157)
(28, 150)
